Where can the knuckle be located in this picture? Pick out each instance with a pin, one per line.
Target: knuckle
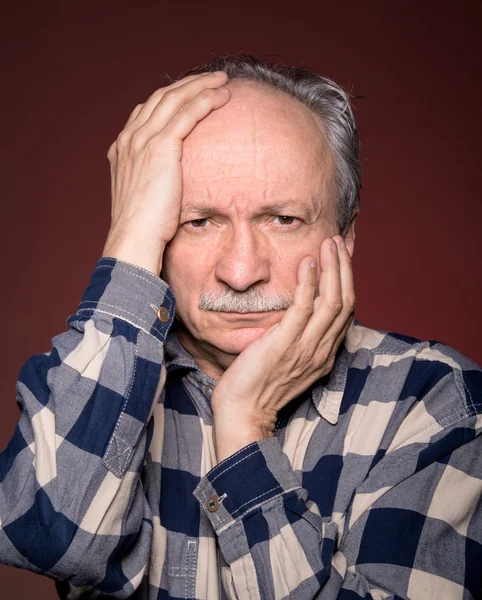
(335, 305)
(169, 94)
(207, 93)
(206, 97)
(304, 309)
(327, 362)
(111, 151)
(123, 138)
(159, 92)
(185, 109)
(156, 145)
(137, 142)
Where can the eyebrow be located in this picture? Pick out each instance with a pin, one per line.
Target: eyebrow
(307, 210)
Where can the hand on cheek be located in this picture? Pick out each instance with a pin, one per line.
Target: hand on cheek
(289, 356)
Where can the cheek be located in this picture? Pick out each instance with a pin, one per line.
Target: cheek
(287, 257)
(184, 269)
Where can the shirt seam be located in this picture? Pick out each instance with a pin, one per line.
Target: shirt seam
(120, 316)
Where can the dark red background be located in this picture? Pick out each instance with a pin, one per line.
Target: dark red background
(72, 72)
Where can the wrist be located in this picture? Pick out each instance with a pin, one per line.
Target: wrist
(231, 434)
(140, 253)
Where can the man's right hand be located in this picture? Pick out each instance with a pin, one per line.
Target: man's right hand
(146, 172)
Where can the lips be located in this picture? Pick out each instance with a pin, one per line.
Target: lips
(250, 315)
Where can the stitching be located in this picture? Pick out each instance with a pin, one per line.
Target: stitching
(461, 376)
(115, 269)
(102, 304)
(235, 454)
(119, 455)
(119, 420)
(444, 422)
(419, 433)
(187, 567)
(134, 371)
(156, 285)
(252, 508)
(230, 517)
(116, 266)
(191, 558)
(256, 498)
(112, 314)
(234, 464)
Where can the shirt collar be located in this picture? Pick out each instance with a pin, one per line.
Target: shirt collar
(178, 358)
(326, 393)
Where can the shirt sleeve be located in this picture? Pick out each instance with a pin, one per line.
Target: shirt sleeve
(412, 530)
(71, 501)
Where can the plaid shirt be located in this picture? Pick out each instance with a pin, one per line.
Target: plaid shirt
(371, 487)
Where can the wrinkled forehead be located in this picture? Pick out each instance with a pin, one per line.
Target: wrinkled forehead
(259, 133)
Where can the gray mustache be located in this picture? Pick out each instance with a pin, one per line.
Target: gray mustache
(244, 302)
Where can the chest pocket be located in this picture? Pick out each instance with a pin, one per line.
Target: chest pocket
(179, 573)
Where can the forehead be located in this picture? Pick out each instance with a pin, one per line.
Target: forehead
(261, 136)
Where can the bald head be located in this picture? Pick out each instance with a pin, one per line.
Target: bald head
(262, 141)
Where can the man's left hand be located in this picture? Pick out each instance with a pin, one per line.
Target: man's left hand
(289, 356)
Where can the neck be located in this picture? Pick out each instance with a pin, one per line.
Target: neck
(210, 360)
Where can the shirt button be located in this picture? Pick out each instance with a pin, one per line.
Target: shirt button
(163, 314)
(212, 504)
(208, 390)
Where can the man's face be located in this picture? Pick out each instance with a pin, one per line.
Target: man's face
(258, 196)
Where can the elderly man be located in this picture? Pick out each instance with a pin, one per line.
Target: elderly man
(227, 429)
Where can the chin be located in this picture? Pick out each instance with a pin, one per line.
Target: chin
(236, 340)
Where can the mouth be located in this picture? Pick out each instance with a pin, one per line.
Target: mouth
(249, 315)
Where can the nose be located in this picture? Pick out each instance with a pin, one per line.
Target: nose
(243, 259)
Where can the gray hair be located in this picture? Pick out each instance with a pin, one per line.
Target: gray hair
(325, 99)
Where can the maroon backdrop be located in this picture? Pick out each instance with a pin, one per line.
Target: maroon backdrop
(73, 72)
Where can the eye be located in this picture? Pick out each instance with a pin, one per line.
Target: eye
(285, 220)
(198, 223)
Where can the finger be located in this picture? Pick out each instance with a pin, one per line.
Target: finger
(113, 164)
(342, 334)
(347, 289)
(143, 111)
(328, 304)
(152, 101)
(173, 97)
(346, 275)
(133, 115)
(189, 114)
(334, 336)
(293, 323)
(325, 355)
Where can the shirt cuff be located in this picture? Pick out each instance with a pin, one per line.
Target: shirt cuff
(244, 481)
(131, 293)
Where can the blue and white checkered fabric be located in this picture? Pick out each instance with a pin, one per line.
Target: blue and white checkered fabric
(371, 487)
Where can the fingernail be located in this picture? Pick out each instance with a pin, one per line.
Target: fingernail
(333, 247)
(342, 243)
(224, 89)
(219, 72)
(312, 265)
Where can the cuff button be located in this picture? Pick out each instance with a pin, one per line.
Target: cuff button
(208, 390)
(212, 504)
(163, 314)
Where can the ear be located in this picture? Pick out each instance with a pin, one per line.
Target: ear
(349, 234)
